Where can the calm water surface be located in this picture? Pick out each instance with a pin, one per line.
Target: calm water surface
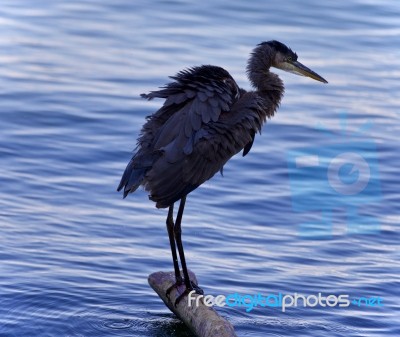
(74, 256)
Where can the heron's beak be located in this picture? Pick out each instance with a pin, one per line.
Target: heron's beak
(297, 68)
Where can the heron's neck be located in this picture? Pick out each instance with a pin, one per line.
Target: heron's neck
(268, 84)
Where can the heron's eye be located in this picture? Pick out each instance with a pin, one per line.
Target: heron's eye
(289, 59)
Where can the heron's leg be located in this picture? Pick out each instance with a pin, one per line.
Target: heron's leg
(170, 229)
(178, 237)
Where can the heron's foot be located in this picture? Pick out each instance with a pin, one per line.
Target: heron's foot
(176, 285)
(193, 287)
(188, 288)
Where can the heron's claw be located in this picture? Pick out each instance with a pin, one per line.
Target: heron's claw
(193, 286)
(177, 284)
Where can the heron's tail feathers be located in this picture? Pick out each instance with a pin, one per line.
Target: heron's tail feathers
(136, 170)
(131, 179)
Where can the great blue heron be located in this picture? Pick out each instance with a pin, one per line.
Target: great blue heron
(205, 120)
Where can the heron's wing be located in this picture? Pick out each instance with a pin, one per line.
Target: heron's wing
(248, 146)
(213, 145)
(217, 142)
(197, 96)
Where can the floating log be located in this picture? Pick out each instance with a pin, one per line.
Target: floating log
(202, 320)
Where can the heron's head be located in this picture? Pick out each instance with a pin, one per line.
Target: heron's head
(284, 58)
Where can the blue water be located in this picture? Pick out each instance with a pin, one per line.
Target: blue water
(75, 256)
